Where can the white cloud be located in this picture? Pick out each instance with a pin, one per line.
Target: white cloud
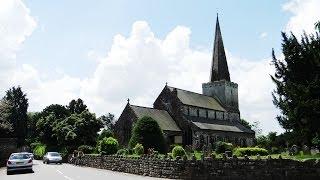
(135, 67)
(263, 35)
(305, 14)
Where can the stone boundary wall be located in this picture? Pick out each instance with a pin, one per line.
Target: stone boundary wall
(278, 169)
(7, 146)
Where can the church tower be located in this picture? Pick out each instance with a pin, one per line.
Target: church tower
(219, 85)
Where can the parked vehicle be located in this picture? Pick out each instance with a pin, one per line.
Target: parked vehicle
(18, 162)
(52, 157)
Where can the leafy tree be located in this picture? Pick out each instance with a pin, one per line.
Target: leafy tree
(317, 26)
(245, 123)
(32, 135)
(5, 125)
(77, 106)
(147, 132)
(297, 79)
(18, 112)
(105, 133)
(256, 128)
(109, 146)
(108, 121)
(57, 110)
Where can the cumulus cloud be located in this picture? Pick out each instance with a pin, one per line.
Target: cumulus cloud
(263, 35)
(138, 66)
(135, 67)
(305, 13)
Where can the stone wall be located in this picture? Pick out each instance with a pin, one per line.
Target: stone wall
(7, 146)
(205, 169)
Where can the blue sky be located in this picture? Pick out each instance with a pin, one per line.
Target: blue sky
(107, 51)
(75, 27)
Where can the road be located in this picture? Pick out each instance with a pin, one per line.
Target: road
(67, 172)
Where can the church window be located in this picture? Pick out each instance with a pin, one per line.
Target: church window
(206, 113)
(198, 112)
(188, 109)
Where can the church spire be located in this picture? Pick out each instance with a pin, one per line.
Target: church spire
(219, 67)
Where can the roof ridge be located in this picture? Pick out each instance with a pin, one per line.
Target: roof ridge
(193, 92)
(147, 107)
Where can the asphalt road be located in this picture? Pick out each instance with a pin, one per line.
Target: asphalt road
(66, 172)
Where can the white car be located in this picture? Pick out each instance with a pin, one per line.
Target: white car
(52, 157)
(19, 161)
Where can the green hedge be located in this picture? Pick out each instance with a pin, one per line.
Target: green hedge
(109, 146)
(222, 147)
(250, 151)
(178, 151)
(138, 149)
(86, 149)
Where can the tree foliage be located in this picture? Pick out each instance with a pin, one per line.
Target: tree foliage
(245, 123)
(108, 121)
(297, 79)
(76, 106)
(59, 127)
(6, 128)
(17, 114)
(147, 132)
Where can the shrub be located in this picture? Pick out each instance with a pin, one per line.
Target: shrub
(138, 149)
(86, 149)
(105, 134)
(178, 151)
(221, 147)
(109, 146)
(250, 151)
(147, 132)
(275, 150)
(123, 151)
(39, 150)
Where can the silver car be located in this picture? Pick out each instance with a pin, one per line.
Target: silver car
(52, 157)
(18, 162)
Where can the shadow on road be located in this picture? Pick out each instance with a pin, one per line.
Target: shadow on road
(21, 172)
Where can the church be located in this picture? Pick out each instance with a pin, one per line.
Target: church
(191, 118)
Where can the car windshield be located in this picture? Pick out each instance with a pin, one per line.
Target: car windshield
(19, 156)
(54, 154)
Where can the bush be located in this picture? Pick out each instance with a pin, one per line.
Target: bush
(138, 149)
(105, 134)
(86, 149)
(250, 151)
(109, 146)
(123, 151)
(221, 147)
(39, 150)
(147, 132)
(178, 151)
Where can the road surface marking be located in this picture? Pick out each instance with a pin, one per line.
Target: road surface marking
(67, 177)
(59, 172)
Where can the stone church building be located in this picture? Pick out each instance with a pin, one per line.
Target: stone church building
(191, 118)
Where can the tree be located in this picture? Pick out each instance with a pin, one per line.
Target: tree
(256, 128)
(108, 121)
(317, 26)
(6, 129)
(77, 106)
(105, 134)
(57, 110)
(147, 132)
(245, 123)
(18, 112)
(297, 79)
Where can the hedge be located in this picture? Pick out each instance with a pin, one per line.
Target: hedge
(250, 151)
(109, 146)
(178, 151)
(222, 147)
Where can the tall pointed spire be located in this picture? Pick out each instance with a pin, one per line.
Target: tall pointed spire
(219, 67)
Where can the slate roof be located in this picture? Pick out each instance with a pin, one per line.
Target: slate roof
(218, 125)
(219, 67)
(196, 99)
(162, 117)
